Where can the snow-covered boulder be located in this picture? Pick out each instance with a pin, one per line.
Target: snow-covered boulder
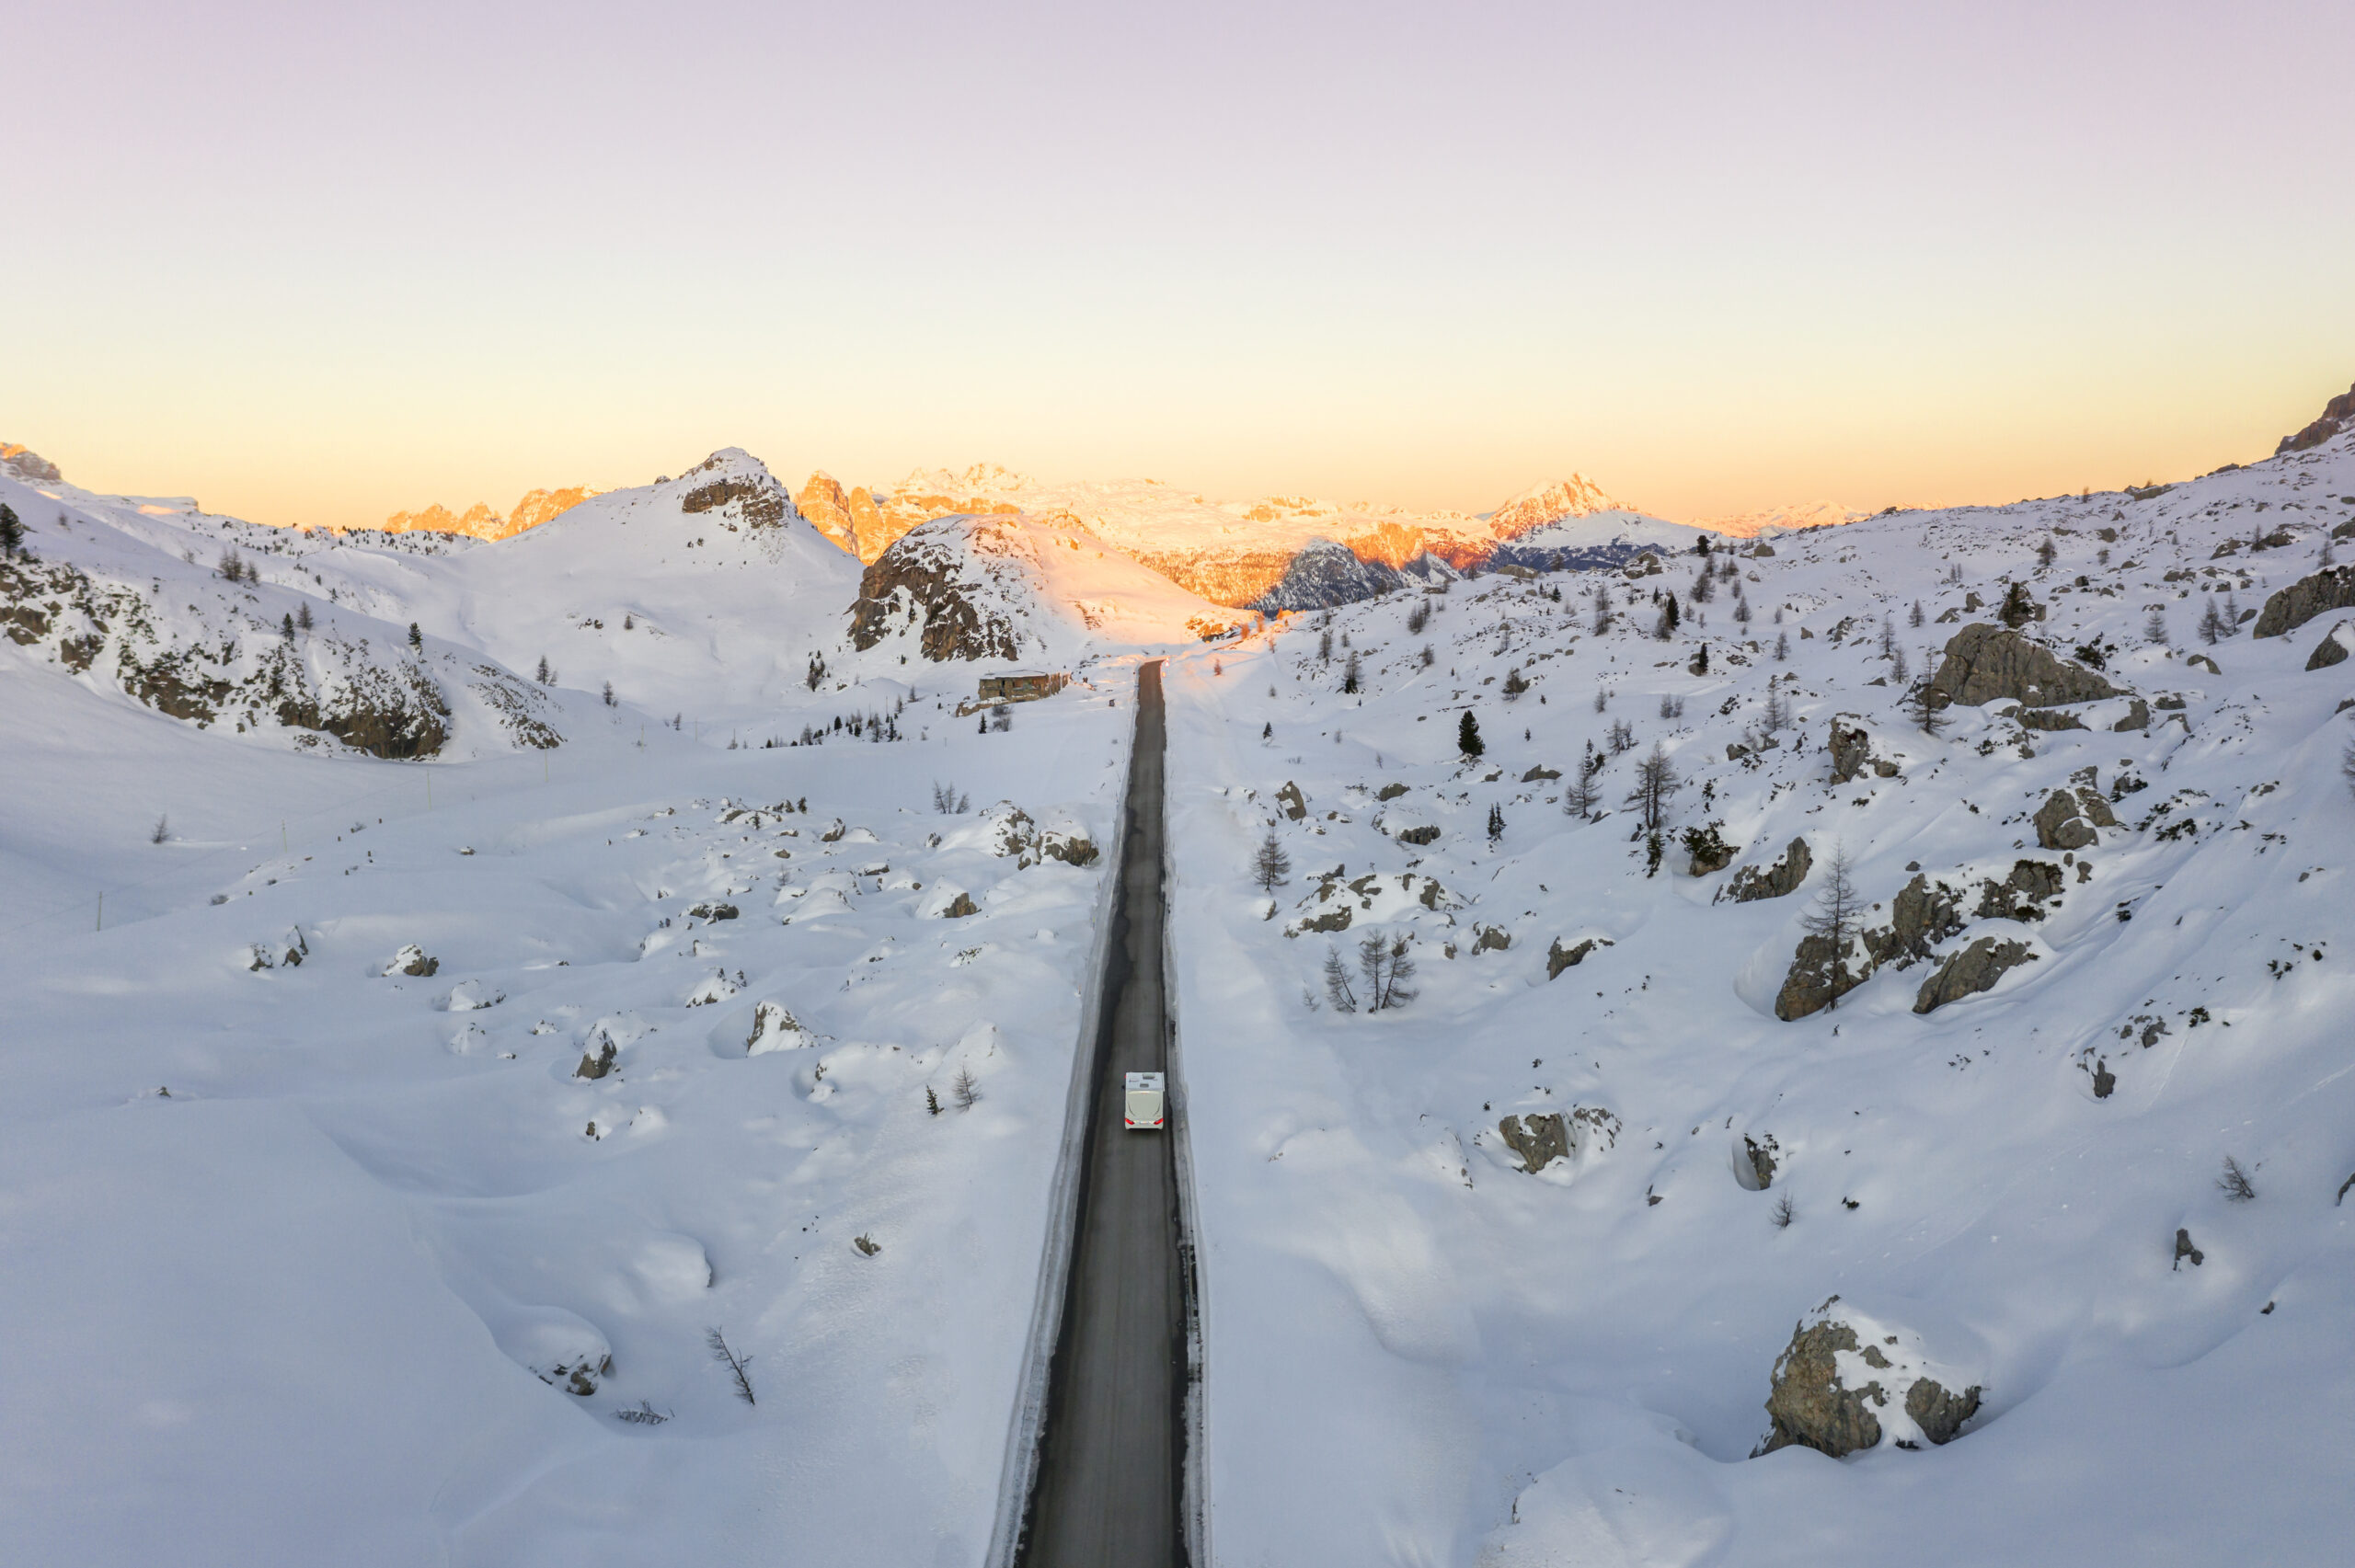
(775, 1029)
(1851, 1379)
(412, 960)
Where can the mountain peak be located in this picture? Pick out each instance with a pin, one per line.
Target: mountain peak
(1540, 504)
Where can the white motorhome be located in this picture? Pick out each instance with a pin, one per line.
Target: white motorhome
(1144, 1100)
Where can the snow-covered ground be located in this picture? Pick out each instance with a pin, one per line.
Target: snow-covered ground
(309, 1258)
(1419, 1353)
(330, 1231)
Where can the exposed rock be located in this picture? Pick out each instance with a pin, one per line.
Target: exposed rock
(1762, 1160)
(1542, 1137)
(2293, 606)
(411, 960)
(2097, 806)
(1820, 976)
(1070, 846)
(775, 1029)
(2060, 823)
(2333, 648)
(1831, 1387)
(596, 1065)
(1337, 918)
(1851, 751)
(713, 912)
(1390, 792)
(833, 835)
(936, 576)
(755, 495)
(1807, 1402)
(2105, 1081)
(1538, 1140)
(1938, 1411)
(2184, 1249)
(1293, 804)
(1491, 939)
(30, 467)
(1975, 968)
(2022, 895)
(827, 506)
(1775, 881)
(2201, 661)
(1983, 663)
(1325, 573)
(2337, 415)
(959, 907)
(1426, 834)
(1539, 773)
(1558, 957)
(1922, 914)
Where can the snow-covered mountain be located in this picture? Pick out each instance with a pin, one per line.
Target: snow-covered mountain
(479, 521)
(1788, 519)
(1870, 1077)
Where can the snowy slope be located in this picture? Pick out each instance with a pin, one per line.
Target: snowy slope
(376, 1279)
(1463, 1362)
(1014, 588)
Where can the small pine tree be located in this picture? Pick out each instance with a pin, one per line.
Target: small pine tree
(1467, 736)
(1922, 708)
(2045, 551)
(286, 627)
(966, 1089)
(609, 696)
(1837, 910)
(543, 674)
(12, 531)
(1918, 616)
(1515, 684)
(1337, 990)
(1271, 867)
(302, 617)
(931, 1100)
(1350, 674)
(1782, 646)
(1656, 780)
(1325, 645)
(417, 640)
(2211, 624)
(1496, 823)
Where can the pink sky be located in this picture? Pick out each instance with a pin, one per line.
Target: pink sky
(314, 264)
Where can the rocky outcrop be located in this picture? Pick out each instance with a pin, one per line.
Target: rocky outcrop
(1292, 801)
(597, 1065)
(1846, 1381)
(1558, 957)
(1775, 881)
(775, 1029)
(2338, 414)
(30, 467)
(412, 960)
(2288, 609)
(1542, 1137)
(1068, 845)
(739, 484)
(2023, 895)
(1923, 913)
(1760, 1158)
(1324, 572)
(1708, 850)
(2060, 823)
(478, 521)
(1973, 969)
(1983, 663)
(826, 506)
(1851, 754)
(1538, 1140)
(2333, 648)
(1427, 833)
(929, 579)
(1820, 975)
(1490, 939)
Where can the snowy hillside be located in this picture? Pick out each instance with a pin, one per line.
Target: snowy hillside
(1506, 1271)
(380, 1167)
(1012, 587)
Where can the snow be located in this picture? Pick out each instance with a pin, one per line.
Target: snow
(309, 1262)
(1466, 1364)
(310, 1255)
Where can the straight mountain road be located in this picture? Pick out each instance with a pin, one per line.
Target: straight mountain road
(1109, 1489)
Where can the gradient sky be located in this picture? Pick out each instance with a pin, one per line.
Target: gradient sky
(314, 263)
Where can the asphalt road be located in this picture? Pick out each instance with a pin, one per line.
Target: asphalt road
(1109, 1486)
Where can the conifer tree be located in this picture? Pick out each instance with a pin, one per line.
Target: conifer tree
(1467, 736)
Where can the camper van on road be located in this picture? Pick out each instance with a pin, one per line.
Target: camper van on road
(1144, 1100)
